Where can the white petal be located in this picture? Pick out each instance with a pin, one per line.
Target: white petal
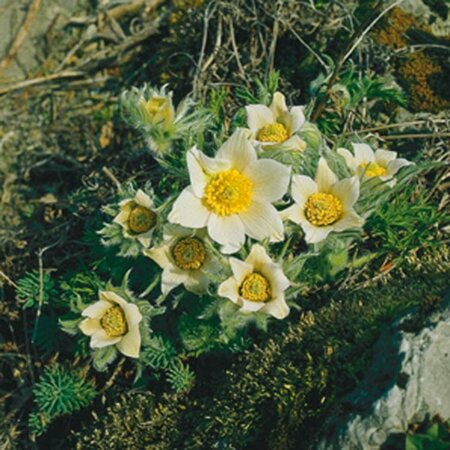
(238, 150)
(294, 213)
(229, 289)
(189, 211)
(101, 339)
(277, 308)
(196, 282)
(130, 344)
(142, 199)
(161, 255)
(394, 166)
(363, 154)
(349, 159)
(384, 157)
(228, 231)
(132, 314)
(258, 257)
(96, 310)
(349, 220)
(171, 278)
(347, 191)
(278, 105)
(240, 269)
(249, 307)
(270, 179)
(196, 172)
(258, 116)
(262, 220)
(314, 234)
(124, 214)
(294, 144)
(325, 177)
(174, 231)
(302, 188)
(296, 119)
(278, 279)
(90, 326)
(112, 297)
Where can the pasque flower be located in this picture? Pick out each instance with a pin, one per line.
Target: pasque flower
(323, 205)
(113, 321)
(137, 218)
(366, 163)
(276, 126)
(257, 284)
(184, 258)
(232, 194)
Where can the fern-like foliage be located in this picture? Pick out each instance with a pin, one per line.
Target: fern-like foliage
(60, 390)
(32, 289)
(180, 377)
(159, 353)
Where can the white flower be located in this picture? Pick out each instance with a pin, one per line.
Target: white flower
(257, 284)
(113, 321)
(276, 126)
(184, 259)
(232, 194)
(137, 218)
(158, 108)
(366, 163)
(323, 205)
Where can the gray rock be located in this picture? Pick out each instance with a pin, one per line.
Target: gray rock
(409, 380)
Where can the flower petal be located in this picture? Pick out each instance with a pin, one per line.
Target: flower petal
(238, 150)
(228, 231)
(314, 234)
(90, 326)
(394, 166)
(196, 172)
(229, 289)
(100, 339)
(258, 116)
(302, 188)
(130, 344)
(294, 144)
(240, 269)
(347, 191)
(96, 310)
(384, 157)
(258, 257)
(278, 280)
(112, 297)
(249, 307)
(124, 214)
(189, 211)
(142, 199)
(171, 278)
(350, 219)
(349, 159)
(132, 314)
(270, 179)
(294, 213)
(196, 282)
(278, 105)
(161, 255)
(325, 177)
(262, 220)
(363, 154)
(295, 119)
(277, 308)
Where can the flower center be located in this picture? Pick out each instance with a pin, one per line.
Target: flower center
(154, 105)
(373, 169)
(114, 322)
(275, 132)
(228, 192)
(141, 219)
(255, 288)
(189, 254)
(323, 209)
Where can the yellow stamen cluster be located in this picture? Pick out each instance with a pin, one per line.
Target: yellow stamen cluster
(275, 132)
(141, 219)
(228, 192)
(114, 322)
(189, 254)
(373, 169)
(255, 288)
(323, 209)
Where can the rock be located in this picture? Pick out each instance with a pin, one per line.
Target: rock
(409, 380)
